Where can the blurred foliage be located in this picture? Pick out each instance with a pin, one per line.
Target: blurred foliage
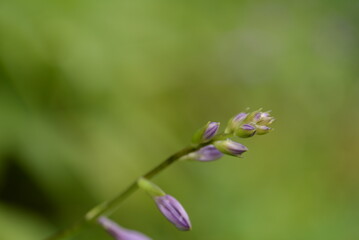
(94, 93)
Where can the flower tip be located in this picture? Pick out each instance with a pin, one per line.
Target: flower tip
(206, 133)
(174, 212)
(235, 122)
(261, 130)
(210, 131)
(240, 116)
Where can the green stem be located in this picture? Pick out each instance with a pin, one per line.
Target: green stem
(108, 207)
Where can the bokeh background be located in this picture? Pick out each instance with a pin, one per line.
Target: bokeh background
(95, 93)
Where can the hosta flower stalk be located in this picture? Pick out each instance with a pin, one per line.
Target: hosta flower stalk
(207, 145)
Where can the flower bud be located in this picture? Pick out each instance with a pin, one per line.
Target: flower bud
(261, 130)
(263, 118)
(206, 133)
(235, 122)
(245, 131)
(230, 147)
(240, 117)
(174, 212)
(205, 154)
(120, 233)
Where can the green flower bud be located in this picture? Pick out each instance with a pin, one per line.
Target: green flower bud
(245, 131)
(230, 147)
(261, 130)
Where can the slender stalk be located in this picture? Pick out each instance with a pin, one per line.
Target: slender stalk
(108, 207)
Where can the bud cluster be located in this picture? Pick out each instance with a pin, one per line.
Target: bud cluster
(208, 146)
(242, 125)
(246, 125)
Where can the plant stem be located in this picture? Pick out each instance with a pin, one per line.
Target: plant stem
(108, 207)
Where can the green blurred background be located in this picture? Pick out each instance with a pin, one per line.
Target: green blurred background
(95, 93)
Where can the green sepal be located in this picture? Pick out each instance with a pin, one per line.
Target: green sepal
(151, 188)
(198, 136)
(245, 133)
(230, 127)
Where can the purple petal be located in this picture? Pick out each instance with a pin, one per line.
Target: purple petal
(265, 115)
(257, 117)
(261, 130)
(230, 147)
(239, 117)
(245, 131)
(263, 118)
(120, 233)
(236, 148)
(208, 153)
(248, 127)
(174, 212)
(264, 127)
(211, 131)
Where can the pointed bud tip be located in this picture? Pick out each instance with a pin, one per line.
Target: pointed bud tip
(210, 131)
(261, 130)
(206, 133)
(174, 212)
(240, 116)
(235, 122)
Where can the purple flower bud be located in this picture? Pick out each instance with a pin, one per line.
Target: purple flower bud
(263, 118)
(235, 122)
(240, 117)
(245, 131)
(248, 127)
(257, 117)
(206, 133)
(120, 233)
(174, 212)
(205, 154)
(210, 131)
(230, 147)
(261, 130)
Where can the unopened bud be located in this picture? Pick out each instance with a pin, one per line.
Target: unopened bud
(235, 122)
(261, 130)
(120, 233)
(168, 205)
(206, 133)
(174, 212)
(230, 147)
(263, 118)
(245, 131)
(205, 154)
